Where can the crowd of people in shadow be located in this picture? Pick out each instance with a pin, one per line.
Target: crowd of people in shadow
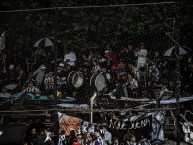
(100, 136)
(134, 71)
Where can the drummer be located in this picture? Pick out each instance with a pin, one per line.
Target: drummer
(95, 67)
(61, 78)
(107, 77)
(62, 74)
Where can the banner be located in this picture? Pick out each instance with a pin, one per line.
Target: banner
(149, 125)
(186, 122)
(69, 123)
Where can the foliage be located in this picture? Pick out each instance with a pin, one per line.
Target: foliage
(88, 27)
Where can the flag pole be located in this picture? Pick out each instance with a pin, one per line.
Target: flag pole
(178, 79)
(55, 68)
(2, 41)
(91, 106)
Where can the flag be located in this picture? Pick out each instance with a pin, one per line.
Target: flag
(186, 122)
(2, 41)
(69, 123)
(149, 125)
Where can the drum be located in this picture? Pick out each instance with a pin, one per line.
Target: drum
(97, 82)
(75, 78)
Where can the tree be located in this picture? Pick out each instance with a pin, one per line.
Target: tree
(90, 27)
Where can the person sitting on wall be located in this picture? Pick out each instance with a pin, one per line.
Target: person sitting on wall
(49, 83)
(30, 78)
(132, 86)
(31, 88)
(4, 93)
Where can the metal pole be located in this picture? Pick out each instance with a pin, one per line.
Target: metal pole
(177, 92)
(178, 76)
(55, 67)
(91, 106)
(55, 56)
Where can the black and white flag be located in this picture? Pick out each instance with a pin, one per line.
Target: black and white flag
(187, 126)
(149, 125)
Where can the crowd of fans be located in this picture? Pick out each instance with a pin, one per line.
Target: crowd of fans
(130, 72)
(101, 136)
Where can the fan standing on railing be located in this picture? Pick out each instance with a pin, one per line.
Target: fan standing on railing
(141, 55)
(70, 58)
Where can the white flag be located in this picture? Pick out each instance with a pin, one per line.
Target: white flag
(2, 41)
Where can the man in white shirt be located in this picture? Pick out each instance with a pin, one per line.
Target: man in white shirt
(107, 140)
(70, 58)
(39, 73)
(141, 55)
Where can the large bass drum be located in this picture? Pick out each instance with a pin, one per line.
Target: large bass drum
(75, 78)
(97, 82)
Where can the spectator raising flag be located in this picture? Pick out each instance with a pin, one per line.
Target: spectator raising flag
(2, 41)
